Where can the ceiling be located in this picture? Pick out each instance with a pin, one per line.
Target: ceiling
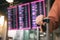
(4, 4)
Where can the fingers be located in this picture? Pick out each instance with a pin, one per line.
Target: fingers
(39, 19)
(41, 30)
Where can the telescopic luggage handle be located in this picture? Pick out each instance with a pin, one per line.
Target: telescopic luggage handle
(46, 20)
(47, 28)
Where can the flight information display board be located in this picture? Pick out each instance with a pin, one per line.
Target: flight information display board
(12, 18)
(23, 16)
(36, 8)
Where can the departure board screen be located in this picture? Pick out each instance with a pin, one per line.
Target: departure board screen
(36, 8)
(12, 18)
(23, 16)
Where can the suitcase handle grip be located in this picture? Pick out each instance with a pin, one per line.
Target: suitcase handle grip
(46, 20)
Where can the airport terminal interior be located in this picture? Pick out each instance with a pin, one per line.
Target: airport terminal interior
(18, 20)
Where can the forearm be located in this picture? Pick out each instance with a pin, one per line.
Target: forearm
(52, 24)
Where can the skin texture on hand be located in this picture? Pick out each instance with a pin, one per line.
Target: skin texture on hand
(39, 19)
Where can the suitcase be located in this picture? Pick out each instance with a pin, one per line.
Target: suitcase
(45, 35)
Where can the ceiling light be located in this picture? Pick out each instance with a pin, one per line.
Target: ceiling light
(10, 1)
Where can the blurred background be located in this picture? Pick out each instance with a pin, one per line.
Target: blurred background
(15, 33)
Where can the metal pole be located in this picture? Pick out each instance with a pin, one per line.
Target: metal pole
(47, 25)
(47, 32)
(38, 33)
(47, 28)
(48, 6)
